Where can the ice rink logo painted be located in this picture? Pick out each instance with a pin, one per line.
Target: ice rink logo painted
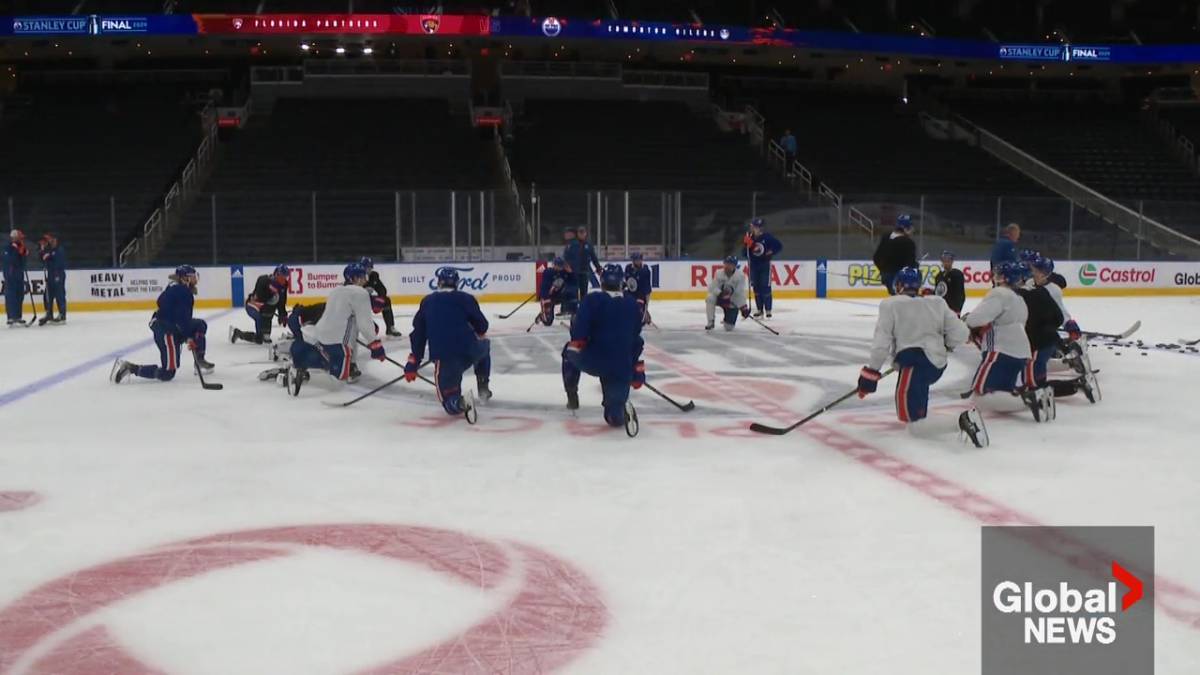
(552, 614)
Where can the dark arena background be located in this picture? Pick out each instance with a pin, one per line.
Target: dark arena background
(704, 336)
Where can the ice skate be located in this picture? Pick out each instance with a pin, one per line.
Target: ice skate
(631, 420)
(972, 426)
(120, 370)
(470, 412)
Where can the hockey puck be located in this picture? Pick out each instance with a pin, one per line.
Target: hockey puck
(1143, 353)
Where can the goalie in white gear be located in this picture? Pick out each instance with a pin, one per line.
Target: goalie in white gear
(915, 333)
(347, 317)
(727, 290)
(1004, 381)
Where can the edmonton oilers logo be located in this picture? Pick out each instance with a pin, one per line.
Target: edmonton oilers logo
(551, 26)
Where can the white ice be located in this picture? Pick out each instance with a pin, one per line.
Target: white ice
(710, 549)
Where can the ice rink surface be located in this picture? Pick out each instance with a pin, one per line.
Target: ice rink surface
(161, 528)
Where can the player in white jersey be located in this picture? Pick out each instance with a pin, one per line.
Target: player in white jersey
(998, 326)
(347, 317)
(727, 290)
(915, 333)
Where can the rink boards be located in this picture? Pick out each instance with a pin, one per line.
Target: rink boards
(407, 283)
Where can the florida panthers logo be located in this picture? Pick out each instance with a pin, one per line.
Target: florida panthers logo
(430, 24)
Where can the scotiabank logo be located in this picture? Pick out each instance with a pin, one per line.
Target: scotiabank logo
(972, 275)
(1068, 615)
(1089, 274)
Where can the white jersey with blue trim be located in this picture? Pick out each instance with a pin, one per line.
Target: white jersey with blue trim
(1007, 313)
(347, 311)
(733, 285)
(925, 323)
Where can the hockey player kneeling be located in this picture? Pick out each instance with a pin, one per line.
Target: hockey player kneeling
(606, 342)
(727, 290)
(998, 327)
(347, 315)
(450, 321)
(916, 333)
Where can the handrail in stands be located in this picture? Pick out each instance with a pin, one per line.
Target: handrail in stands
(1118, 214)
(154, 227)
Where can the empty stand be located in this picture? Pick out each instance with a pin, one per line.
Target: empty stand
(85, 163)
(338, 164)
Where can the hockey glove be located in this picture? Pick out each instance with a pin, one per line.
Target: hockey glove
(576, 345)
(745, 311)
(978, 332)
(191, 345)
(377, 352)
(410, 369)
(639, 374)
(1072, 329)
(868, 381)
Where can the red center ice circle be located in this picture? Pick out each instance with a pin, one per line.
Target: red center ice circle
(555, 615)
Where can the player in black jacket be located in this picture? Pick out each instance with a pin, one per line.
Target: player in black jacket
(1042, 328)
(268, 299)
(896, 251)
(375, 284)
(950, 283)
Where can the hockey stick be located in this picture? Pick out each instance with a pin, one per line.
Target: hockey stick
(779, 431)
(32, 304)
(535, 322)
(755, 320)
(1119, 336)
(505, 316)
(394, 361)
(685, 407)
(1188, 343)
(209, 386)
(374, 391)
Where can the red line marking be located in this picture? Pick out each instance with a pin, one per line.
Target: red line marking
(1174, 599)
(15, 500)
(555, 616)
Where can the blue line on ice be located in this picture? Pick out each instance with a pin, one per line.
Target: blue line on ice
(79, 369)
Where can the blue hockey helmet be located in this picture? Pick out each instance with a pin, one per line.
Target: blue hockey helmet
(366, 262)
(1043, 264)
(1010, 273)
(731, 260)
(907, 279)
(447, 277)
(185, 271)
(612, 277)
(636, 255)
(758, 222)
(948, 255)
(282, 271)
(354, 271)
(1028, 255)
(904, 222)
(559, 262)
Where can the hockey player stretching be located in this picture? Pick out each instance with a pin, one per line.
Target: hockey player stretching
(606, 341)
(998, 327)
(347, 316)
(727, 290)
(173, 326)
(639, 283)
(267, 300)
(557, 288)
(916, 333)
(450, 321)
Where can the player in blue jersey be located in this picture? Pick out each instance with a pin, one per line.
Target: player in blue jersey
(173, 326)
(638, 284)
(54, 261)
(267, 300)
(557, 288)
(606, 342)
(580, 257)
(12, 263)
(450, 322)
(761, 248)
